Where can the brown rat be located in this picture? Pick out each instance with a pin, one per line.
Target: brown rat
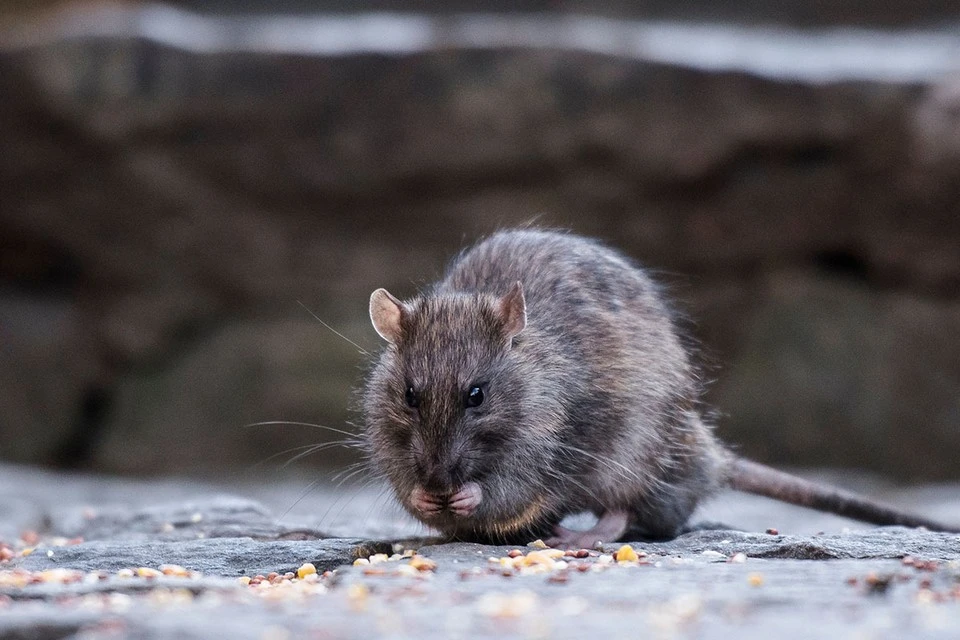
(543, 376)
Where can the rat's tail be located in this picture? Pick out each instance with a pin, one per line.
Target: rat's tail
(753, 477)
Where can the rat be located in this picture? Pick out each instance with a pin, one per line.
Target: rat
(546, 375)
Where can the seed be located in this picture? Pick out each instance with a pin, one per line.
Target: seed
(513, 553)
(305, 570)
(773, 532)
(422, 564)
(174, 570)
(626, 554)
(755, 579)
(878, 584)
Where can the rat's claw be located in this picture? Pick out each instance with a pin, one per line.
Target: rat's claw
(467, 499)
(426, 503)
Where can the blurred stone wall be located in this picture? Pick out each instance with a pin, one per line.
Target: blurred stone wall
(163, 211)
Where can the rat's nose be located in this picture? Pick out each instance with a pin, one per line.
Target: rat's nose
(439, 477)
(438, 481)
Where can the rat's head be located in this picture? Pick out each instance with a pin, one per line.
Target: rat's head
(445, 421)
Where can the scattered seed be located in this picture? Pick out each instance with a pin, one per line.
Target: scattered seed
(878, 584)
(421, 563)
(626, 554)
(147, 572)
(305, 570)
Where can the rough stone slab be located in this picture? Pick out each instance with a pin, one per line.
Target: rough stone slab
(218, 557)
(220, 516)
(880, 543)
(883, 542)
(790, 586)
(114, 584)
(675, 597)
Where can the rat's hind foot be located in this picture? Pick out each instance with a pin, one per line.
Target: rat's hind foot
(609, 528)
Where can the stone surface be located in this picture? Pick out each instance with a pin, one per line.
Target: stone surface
(216, 556)
(880, 543)
(839, 583)
(171, 187)
(218, 516)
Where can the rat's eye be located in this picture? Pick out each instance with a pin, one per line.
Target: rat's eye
(474, 397)
(412, 397)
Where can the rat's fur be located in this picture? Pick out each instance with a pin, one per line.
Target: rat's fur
(591, 402)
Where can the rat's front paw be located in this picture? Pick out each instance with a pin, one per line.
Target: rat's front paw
(465, 501)
(425, 503)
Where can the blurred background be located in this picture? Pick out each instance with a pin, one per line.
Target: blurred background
(175, 179)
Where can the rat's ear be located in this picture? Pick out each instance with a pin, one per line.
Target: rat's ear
(385, 313)
(513, 310)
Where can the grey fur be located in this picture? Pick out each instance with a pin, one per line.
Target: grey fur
(593, 406)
